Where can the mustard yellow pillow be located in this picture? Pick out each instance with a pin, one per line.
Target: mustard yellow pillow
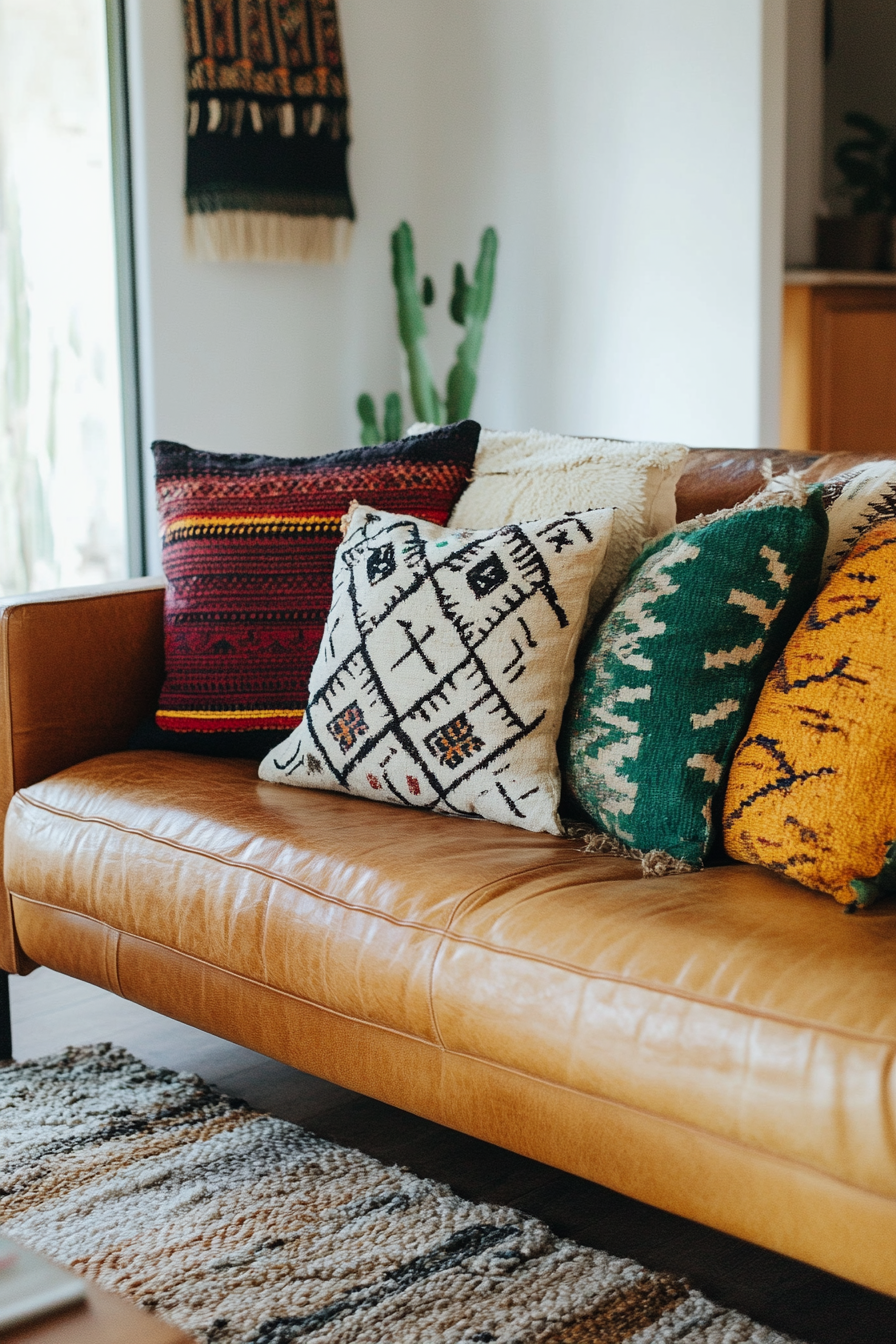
(812, 789)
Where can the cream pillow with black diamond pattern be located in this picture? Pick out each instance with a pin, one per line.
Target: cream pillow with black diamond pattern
(445, 665)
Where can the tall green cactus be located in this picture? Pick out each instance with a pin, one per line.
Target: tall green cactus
(469, 307)
(412, 326)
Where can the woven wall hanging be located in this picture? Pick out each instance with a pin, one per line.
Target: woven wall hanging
(267, 131)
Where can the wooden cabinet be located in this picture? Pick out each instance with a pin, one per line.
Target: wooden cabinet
(838, 391)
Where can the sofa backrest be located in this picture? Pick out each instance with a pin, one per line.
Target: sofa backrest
(717, 478)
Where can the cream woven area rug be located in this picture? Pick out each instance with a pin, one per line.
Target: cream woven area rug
(238, 1227)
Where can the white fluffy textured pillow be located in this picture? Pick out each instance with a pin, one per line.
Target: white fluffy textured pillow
(445, 665)
(520, 476)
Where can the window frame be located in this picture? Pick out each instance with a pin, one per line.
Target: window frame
(125, 270)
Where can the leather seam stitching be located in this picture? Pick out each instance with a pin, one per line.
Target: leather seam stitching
(487, 1063)
(444, 934)
(431, 992)
(224, 970)
(325, 897)
(116, 982)
(670, 1120)
(93, 819)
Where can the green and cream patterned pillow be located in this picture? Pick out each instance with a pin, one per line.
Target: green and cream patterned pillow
(668, 681)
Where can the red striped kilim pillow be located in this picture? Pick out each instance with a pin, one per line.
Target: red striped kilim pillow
(248, 544)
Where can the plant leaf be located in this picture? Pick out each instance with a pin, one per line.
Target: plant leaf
(392, 417)
(370, 432)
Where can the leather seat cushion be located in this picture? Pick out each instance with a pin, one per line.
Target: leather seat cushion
(731, 1000)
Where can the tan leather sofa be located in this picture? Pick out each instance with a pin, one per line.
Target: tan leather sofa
(718, 1044)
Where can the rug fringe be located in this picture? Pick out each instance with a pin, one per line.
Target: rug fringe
(248, 235)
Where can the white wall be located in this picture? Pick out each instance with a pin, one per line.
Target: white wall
(630, 156)
(772, 167)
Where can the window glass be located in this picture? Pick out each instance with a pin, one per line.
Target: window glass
(62, 507)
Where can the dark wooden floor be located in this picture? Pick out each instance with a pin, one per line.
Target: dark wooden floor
(51, 1011)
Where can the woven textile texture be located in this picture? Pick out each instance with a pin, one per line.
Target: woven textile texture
(668, 680)
(267, 131)
(445, 665)
(856, 501)
(812, 791)
(248, 544)
(243, 1229)
(519, 477)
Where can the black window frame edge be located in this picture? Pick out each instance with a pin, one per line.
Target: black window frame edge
(125, 267)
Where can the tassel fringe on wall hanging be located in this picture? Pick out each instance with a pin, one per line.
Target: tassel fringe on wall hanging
(267, 131)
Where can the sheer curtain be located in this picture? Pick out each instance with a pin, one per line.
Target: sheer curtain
(62, 494)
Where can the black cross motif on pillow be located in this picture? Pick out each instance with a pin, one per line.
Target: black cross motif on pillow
(560, 539)
(416, 645)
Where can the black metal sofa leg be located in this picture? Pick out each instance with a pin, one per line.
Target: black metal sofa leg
(5, 1019)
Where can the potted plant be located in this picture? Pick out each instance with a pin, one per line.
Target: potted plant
(862, 241)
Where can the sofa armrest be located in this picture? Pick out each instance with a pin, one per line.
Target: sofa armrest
(79, 669)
